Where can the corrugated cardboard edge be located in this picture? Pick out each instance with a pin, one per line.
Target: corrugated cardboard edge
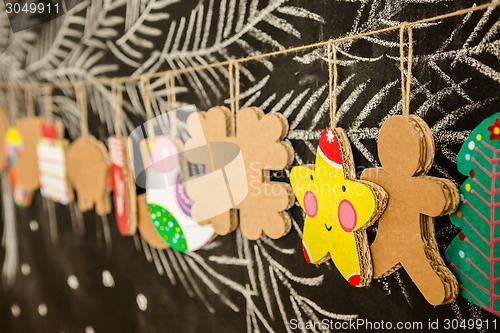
(381, 199)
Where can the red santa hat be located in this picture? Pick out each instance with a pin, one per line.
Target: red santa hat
(328, 148)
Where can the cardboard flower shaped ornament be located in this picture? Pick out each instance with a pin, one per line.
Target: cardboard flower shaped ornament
(337, 208)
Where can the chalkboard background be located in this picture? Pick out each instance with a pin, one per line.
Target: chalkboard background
(75, 279)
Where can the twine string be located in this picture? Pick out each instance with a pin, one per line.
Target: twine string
(405, 80)
(171, 102)
(81, 97)
(332, 81)
(47, 104)
(146, 95)
(117, 93)
(13, 107)
(149, 76)
(29, 100)
(234, 92)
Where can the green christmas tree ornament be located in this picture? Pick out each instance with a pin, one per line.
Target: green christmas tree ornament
(474, 255)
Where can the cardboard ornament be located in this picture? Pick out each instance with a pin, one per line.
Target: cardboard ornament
(88, 171)
(338, 208)
(406, 236)
(123, 186)
(169, 205)
(51, 151)
(4, 126)
(146, 226)
(21, 150)
(474, 254)
(262, 212)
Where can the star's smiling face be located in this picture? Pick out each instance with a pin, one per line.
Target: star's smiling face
(335, 208)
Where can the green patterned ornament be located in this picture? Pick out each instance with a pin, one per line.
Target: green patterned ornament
(167, 227)
(474, 255)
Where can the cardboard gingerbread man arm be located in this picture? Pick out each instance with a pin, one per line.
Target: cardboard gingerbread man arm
(372, 174)
(431, 195)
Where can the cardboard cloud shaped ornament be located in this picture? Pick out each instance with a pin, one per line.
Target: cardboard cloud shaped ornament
(338, 208)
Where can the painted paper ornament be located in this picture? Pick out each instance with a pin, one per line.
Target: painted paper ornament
(338, 208)
(123, 186)
(21, 150)
(88, 171)
(169, 206)
(259, 203)
(51, 151)
(474, 255)
(405, 235)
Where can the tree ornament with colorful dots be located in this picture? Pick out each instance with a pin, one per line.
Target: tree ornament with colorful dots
(168, 204)
(474, 255)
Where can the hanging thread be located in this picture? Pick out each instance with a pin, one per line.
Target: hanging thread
(171, 102)
(12, 104)
(61, 84)
(29, 100)
(332, 81)
(146, 95)
(234, 92)
(405, 80)
(47, 104)
(117, 93)
(81, 98)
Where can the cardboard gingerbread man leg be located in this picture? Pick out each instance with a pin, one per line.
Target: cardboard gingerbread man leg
(425, 277)
(384, 257)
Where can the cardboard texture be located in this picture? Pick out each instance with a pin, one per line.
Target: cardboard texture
(51, 150)
(4, 126)
(88, 171)
(406, 235)
(259, 136)
(146, 226)
(123, 186)
(338, 208)
(169, 205)
(475, 252)
(21, 148)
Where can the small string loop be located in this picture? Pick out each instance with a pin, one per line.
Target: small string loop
(29, 100)
(234, 91)
(171, 102)
(146, 96)
(117, 94)
(405, 81)
(332, 81)
(81, 99)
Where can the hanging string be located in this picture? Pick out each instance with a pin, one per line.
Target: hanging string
(171, 102)
(81, 99)
(67, 84)
(332, 81)
(405, 81)
(29, 100)
(146, 95)
(13, 107)
(47, 104)
(117, 93)
(234, 92)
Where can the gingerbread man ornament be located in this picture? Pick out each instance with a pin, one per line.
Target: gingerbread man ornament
(406, 235)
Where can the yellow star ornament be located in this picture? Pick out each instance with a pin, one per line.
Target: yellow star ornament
(338, 208)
